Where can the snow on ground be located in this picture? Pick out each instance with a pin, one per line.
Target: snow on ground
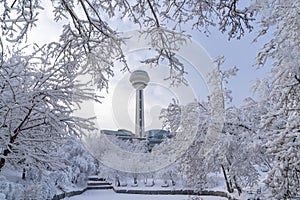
(111, 195)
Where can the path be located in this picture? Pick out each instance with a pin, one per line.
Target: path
(111, 195)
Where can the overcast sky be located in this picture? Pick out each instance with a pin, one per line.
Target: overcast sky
(117, 109)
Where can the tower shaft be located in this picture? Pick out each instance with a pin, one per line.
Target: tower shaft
(139, 113)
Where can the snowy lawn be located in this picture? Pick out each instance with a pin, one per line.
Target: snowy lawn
(111, 195)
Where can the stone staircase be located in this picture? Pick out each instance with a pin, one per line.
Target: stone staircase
(97, 183)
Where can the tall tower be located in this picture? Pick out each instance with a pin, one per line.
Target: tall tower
(139, 80)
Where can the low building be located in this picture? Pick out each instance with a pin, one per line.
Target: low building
(154, 136)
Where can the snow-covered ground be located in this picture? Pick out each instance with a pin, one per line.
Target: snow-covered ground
(111, 195)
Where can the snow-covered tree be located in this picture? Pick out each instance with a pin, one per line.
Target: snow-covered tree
(87, 31)
(191, 164)
(280, 92)
(185, 118)
(171, 116)
(37, 99)
(241, 148)
(236, 153)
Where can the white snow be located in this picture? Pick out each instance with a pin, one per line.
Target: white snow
(111, 195)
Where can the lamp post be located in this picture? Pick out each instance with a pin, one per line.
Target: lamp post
(139, 80)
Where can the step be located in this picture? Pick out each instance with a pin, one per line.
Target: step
(96, 178)
(99, 187)
(98, 183)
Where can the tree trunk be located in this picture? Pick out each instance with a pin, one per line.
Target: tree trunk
(229, 188)
(117, 182)
(239, 189)
(13, 138)
(2, 160)
(24, 174)
(2, 163)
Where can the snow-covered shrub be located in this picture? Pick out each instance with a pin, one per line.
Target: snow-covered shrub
(34, 174)
(28, 191)
(10, 190)
(2, 196)
(133, 145)
(4, 186)
(214, 180)
(80, 164)
(33, 192)
(60, 179)
(81, 180)
(44, 182)
(170, 174)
